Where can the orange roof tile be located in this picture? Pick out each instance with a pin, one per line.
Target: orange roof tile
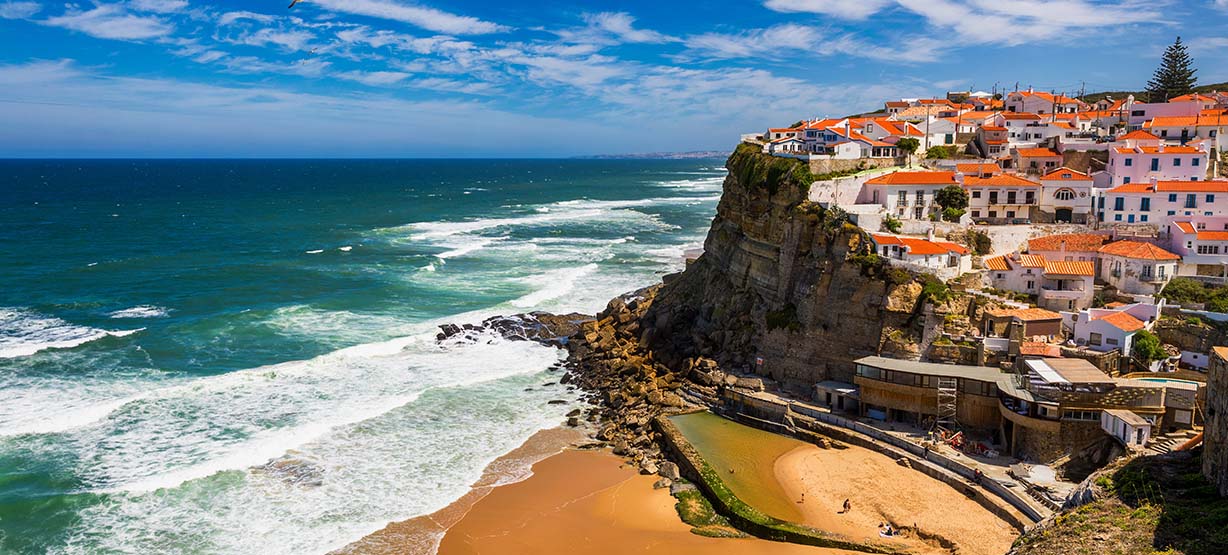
(1187, 121)
(977, 169)
(914, 178)
(1159, 150)
(1020, 115)
(1073, 242)
(1038, 349)
(1027, 314)
(1115, 304)
(998, 263)
(1000, 180)
(917, 245)
(1066, 174)
(1060, 99)
(1139, 250)
(1071, 268)
(993, 128)
(1173, 187)
(1138, 135)
(1185, 226)
(1032, 261)
(1123, 321)
(1038, 153)
(1213, 235)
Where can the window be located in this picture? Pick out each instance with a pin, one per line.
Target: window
(976, 194)
(1119, 203)
(1125, 180)
(976, 213)
(1010, 213)
(1191, 200)
(1155, 164)
(903, 197)
(993, 213)
(1194, 162)
(1030, 197)
(1176, 162)
(1208, 249)
(993, 197)
(1172, 212)
(1001, 276)
(1142, 218)
(1031, 285)
(1129, 162)
(1164, 133)
(1011, 197)
(1210, 198)
(1089, 415)
(1111, 341)
(1064, 194)
(1117, 217)
(920, 197)
(1093, 339)
(1138, 113)
(1102, 203)
(1172, 197)
(1145, 204)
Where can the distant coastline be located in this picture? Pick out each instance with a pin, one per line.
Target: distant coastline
(694, 155)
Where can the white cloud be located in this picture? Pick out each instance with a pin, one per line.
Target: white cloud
(231, 17)
(209, 56)
(1023, 21)
(622, 26)
(293, 40)
(19, 10)
(374, 78)
(844, 9)
(791, 41)
(160, 6)
(426, 18)
(111, 21)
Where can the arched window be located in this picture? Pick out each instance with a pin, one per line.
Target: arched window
(1064, 194)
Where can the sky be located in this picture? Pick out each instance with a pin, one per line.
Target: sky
(478, 78)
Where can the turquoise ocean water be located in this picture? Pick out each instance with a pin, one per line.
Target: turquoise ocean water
(168, 328)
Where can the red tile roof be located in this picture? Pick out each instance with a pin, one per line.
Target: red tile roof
(914, 178)
(1213, 235)
(1159, 150)
(1123, 321)
(919, 246)
(977, 169)
(998, 263)
(1083, 268)
(1188, 121)
(1066, 174)
(1032, 260)
(1185, 226)
(1038, 349)
(1173, 187)
(1027, 314)
(1020, 115)
(1074, 242)
(1038, 153)
(1139, 250)
(1138, 135)
(1000, 180)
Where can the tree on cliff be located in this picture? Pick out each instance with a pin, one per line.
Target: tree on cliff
(908, 146)
(1147, 348)
(954, 200)
(1175, 76)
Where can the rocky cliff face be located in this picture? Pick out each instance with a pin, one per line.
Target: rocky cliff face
(776, 282)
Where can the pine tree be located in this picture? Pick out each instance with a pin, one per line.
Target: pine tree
(1175, 76)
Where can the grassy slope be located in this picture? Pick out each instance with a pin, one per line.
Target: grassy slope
(1152, 505)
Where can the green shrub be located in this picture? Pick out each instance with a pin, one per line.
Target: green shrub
(980, 242)
(785, 318)
(952, 214)
(892, 224)
(898, 276)
(943, 152)
(935, 290)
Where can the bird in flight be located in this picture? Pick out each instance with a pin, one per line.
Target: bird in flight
(293, 2)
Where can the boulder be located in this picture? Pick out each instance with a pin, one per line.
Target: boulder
(669, 470)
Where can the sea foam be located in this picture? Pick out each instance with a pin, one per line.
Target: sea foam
(24, 332)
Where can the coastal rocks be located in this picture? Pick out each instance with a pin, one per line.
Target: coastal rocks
(294, 468)
(550, 329)
(670, 471)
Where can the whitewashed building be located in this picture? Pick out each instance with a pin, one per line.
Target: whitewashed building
(941, 258)
(907, 195)
(1202, 243)
(1137, 268)
(1066, 196)
(1161, 202)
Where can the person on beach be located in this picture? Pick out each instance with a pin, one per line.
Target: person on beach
(847, 507)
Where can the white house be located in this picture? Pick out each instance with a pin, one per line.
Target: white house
(1202, 243)
(1137, 163)
(1036, 160)
(1137, 268)
(1210, 126)
(941, 258)
(1106, 329)
(907, 195)
(1041, 103)
(1187, 105)
(1161, 202)
(1131, 429)
(1066, 196)
(792, 145)
(1000, 199)
(1058, 285)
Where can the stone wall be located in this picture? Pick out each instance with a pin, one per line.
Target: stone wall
(1215, 438)
(1038, 445)
(821, 166)
(1189, 337)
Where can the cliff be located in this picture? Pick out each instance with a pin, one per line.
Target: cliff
(776, 281)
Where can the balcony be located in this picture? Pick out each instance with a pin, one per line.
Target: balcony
(1062, 294)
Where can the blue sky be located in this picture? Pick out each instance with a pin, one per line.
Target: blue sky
(407, 78)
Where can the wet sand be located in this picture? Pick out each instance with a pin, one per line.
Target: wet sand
(882, 491)
(590, 502)
(421, 535)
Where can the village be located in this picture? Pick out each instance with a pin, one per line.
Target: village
(1094, 229)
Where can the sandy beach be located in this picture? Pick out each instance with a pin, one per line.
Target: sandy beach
(882, 491)
(590, 502)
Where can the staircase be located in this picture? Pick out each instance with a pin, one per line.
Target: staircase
(948, 397)
(1168, 442)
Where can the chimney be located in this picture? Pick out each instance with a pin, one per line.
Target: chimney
(1154, 181)
(1062, 246)
(1030, 88)
(929, 235)
(959, 178)
(1161, 147)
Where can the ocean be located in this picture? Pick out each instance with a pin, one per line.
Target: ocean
(239, 356)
